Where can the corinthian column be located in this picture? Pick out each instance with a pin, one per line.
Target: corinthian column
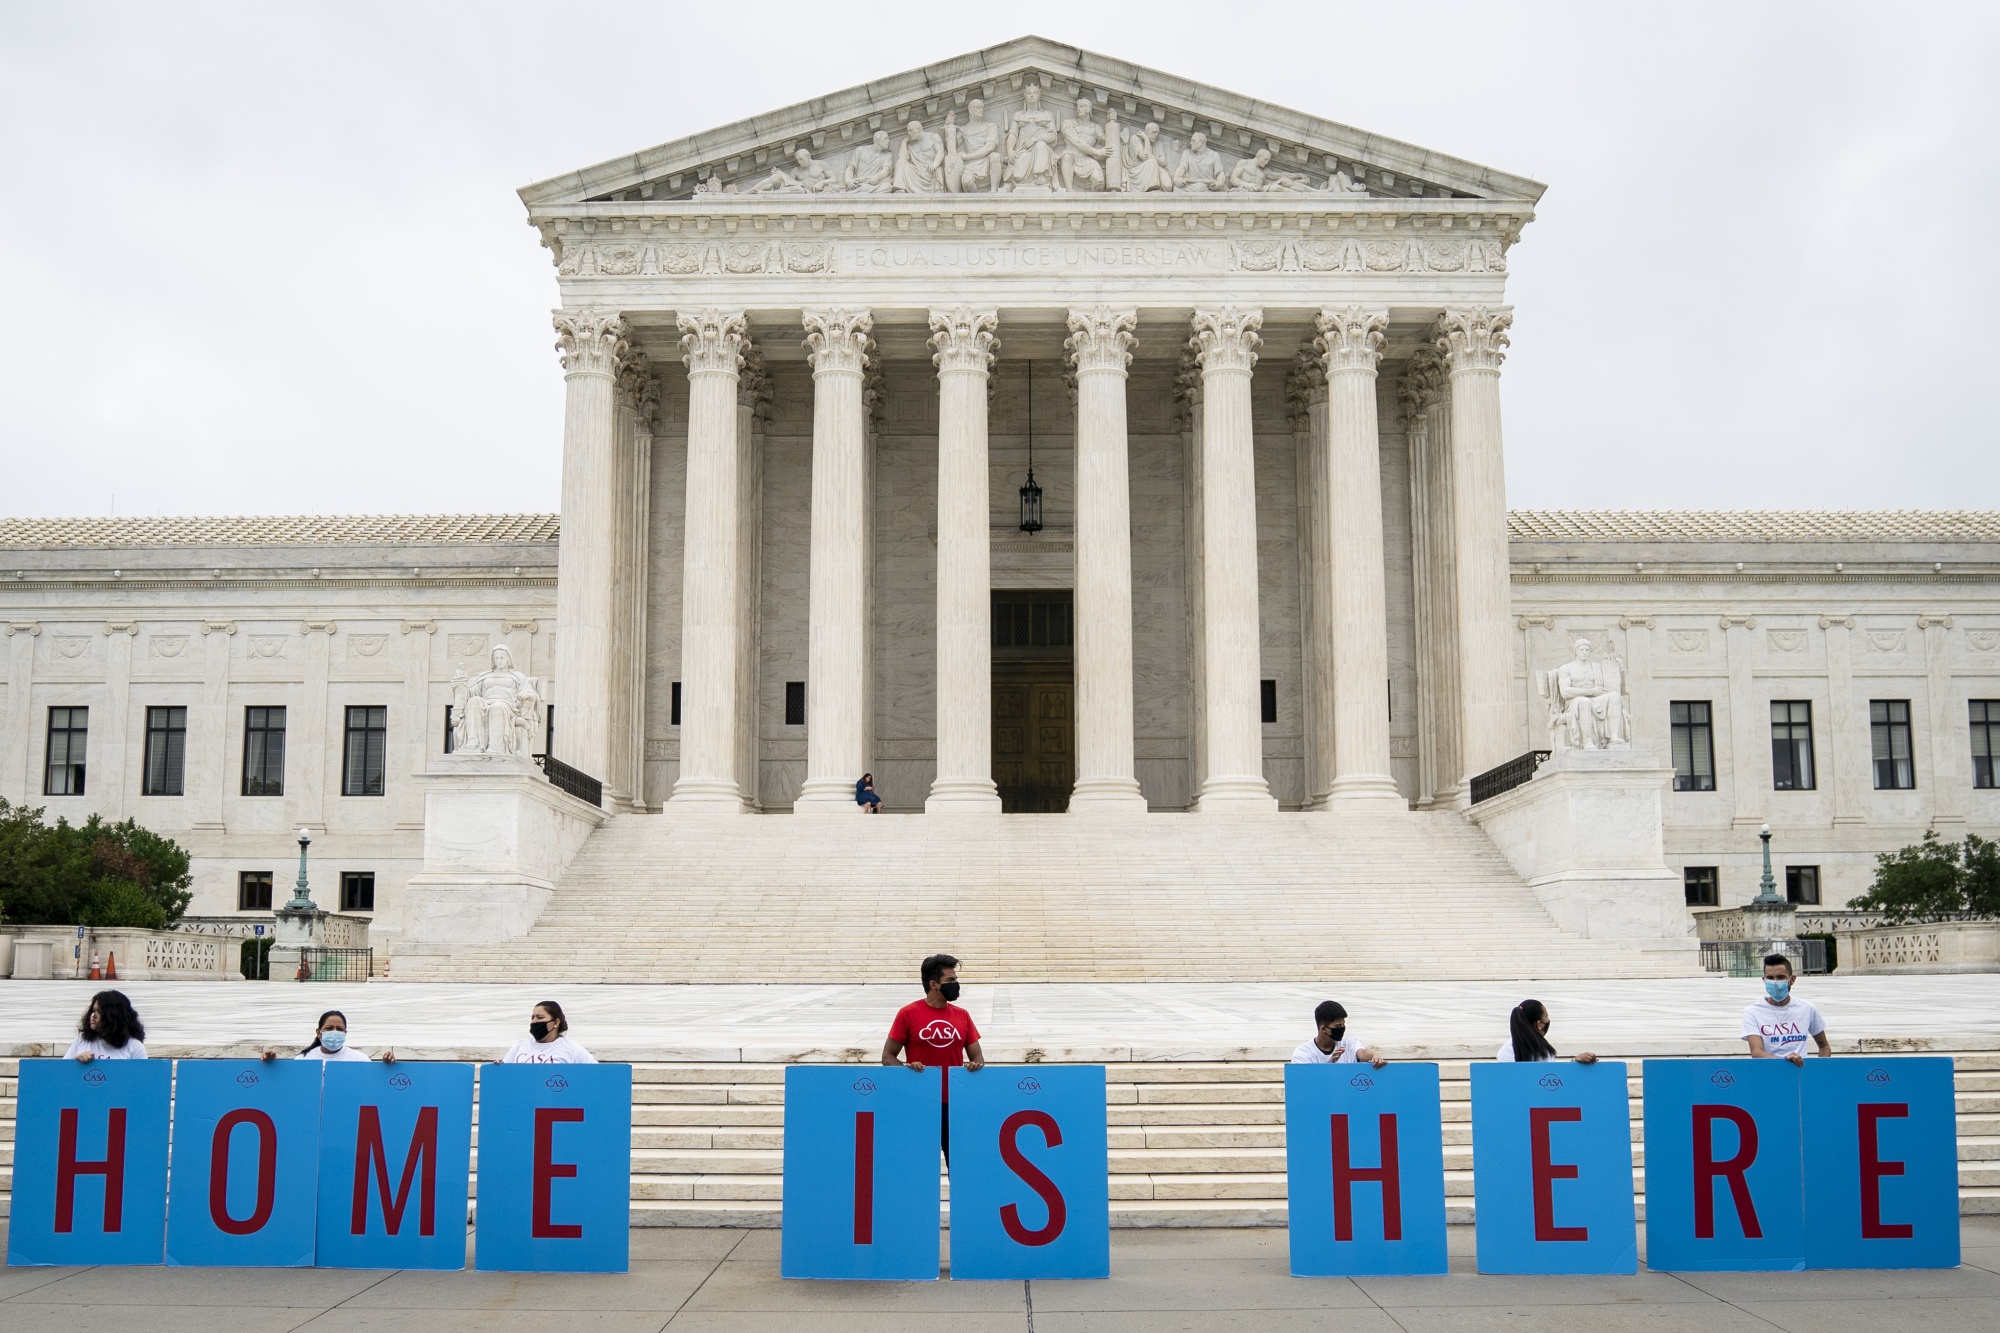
(712, 345)
(1427, 420)
(1100, 347)
(1226, 345)
(963, 345)
(838, 345)
(1352, 339)
(591, 343)
(1473, 344)
(1307, 387)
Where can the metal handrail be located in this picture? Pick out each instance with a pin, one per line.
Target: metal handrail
(574, 781)
(1505, 777)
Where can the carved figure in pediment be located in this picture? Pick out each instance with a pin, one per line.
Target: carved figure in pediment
(1587, 704)
(1144, 162)
(1031, 145)
(497, 711)
(1114, 150)
(920, 161)
(872, 169)
(972, 153)
(1080, 165)
(1200, 168)
(812, 177)
(1254, 174)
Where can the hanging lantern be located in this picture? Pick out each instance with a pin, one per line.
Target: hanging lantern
(1031, 494)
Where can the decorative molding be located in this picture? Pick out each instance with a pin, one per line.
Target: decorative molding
(218, 627)
(637, 387)
(1738, 622)
(465, 645)
(1227, 339)
(712, 341)
(1688, 640)
(1305, 386)
(1423, 385)
(1785, 640)
(590, 342)
(1351, 337)
(365, 645)
(1473, 339)
(753, 384)
(121, 627)
(267, 645)
(1100, 338)
(419, 627)
(1535, 622)
(1885, 641)
(326, 627)
(964, 339)
(31, 628)
(1644, 622)
(837, 341)
(72, 647)
(1828, 622)
(521, 625)
(1983, 640)
(167, 645)
(1925, 622)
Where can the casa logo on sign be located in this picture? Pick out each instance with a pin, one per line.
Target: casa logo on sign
(1030, 1085)
(246, 1079)
(1550, 1081)
(1361, 1081)
(399, 1081)
(1722, 1078)
(555, 1082)
(94, 1078)
(1879, 1077)
(864, 1086)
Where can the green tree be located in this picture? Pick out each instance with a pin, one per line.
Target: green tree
(89, 874)
(1934, 879)
(1981, 860)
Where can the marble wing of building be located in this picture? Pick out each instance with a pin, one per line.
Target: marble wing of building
(1031, 433)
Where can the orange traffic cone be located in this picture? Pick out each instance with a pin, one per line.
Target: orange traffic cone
(111, 969)
(96, 966)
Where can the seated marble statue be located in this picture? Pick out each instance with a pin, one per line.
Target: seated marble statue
(1587, 709)
(1200, 169)
(1253, 174)
(496, 711)
(1031, 145)
(920, 161)
(1081, 163)
(872, 169)
(972, 151)
(1145, 167)
(814, 177)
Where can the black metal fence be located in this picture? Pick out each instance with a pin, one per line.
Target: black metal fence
(1507, 776)
(572, 780)
(317, 964)
(1745, 958)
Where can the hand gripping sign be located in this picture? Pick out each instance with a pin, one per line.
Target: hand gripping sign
(1881, 1147)
(1723, 1176)
(1552, 1168)
(1030, 1173)
(1364, 1170)
(246, 1163)
(555, 1168)
(395, 1148)
(861, 1172)
(90, 1162)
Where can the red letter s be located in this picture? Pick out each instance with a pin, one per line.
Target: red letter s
(1010, 1153)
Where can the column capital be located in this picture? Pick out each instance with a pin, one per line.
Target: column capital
(419, 627)
(1473, 338)
(1305, 386)
(837, 341)
(712, 341)
(311, 627)
(1227, 339)
(964, 339)
(1350, 337)
(1423, 384)
(1187, 385)
(31, 628)
(218, 627)
(591, 342)
(1100, 338)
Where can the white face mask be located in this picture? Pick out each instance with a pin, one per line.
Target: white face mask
(332, 1040)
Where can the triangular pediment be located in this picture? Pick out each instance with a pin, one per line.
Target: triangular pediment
(841, 134)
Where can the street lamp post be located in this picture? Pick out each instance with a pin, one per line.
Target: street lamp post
(1767, 887)
(302, 896)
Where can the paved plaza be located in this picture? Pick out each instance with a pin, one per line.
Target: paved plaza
(727, 1281)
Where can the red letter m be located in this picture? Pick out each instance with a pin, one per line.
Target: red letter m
(369, 1151)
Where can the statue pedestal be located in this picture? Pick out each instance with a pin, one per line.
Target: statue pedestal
(497, 838)
(1586, 835)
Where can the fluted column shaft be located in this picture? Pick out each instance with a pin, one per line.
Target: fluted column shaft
(1227, 344)
(1473, 343)
(963, 344)
(1316, 569)
(1100, 347)
(1352, 337)
(837, 591)
(712, 346)
(753, 393)
(591, 343)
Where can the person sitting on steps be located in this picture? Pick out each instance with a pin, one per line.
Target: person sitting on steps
(865, 794)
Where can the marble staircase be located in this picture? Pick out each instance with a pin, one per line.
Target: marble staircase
(679, 898)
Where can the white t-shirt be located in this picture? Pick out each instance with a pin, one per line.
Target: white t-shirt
(1787, 1029)
(1346, 1051)
(561, 1051)
(133, 1049)
(343, 1054)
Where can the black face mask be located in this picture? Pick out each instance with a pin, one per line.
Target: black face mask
(1338, 1032)
(949, 991)
(538, 1030)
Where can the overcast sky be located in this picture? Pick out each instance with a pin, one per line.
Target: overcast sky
(268, 258)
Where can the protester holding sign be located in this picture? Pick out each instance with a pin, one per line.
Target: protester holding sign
(1331, 1045)
(330, 1042)
(110, 1030)
(547, 1042)
(935, 1031)
(1778, 1025)
(1527, 1036)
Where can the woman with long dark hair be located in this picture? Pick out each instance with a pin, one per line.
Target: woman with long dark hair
(1527, 1036)
(110, 1030)
(330, 1042)
(547, 1042)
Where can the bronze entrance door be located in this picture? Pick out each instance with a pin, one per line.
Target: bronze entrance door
(1034, 726)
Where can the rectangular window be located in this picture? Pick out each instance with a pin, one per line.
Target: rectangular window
(364, 759)
(1802, 885)
(447, 729)
(357, 890)
(69, 737)
(1267, 699)
(166, 751)
(1791, 745)
(1694, 747)
(674, 709)
(1889, 733)
(795, 703)
(549, 729)
(1701, 885)
(1985, 741)
(253, 890)
(263, 752)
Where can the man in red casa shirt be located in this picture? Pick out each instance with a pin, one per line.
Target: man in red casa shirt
(934, 1031)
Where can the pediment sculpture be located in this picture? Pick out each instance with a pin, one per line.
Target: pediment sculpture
(1587, 703)
(498, 711)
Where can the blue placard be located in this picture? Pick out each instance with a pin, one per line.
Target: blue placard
(1552, 1168)
(395, 1154)
(555, 1168)
(1881, 1151)
(90, 1162)
(1364, 1170)
(1723, 1178)
(1030, 1173)
(861, 1172)
(246, 1163)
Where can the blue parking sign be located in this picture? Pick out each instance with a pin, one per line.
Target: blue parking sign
(555, 1168)
(1364, 1170)
(90, 1162)
(1030, 1173)
(1723, 1174)
(395, 1161)
(246, 1163)
(1552, 1168)
(1881, 1151)
(861, 1172)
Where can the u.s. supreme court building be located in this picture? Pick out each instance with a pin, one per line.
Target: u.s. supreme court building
(1110, 465)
